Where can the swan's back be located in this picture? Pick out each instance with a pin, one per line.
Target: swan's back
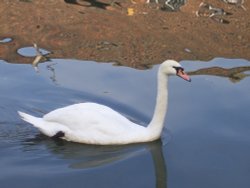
(87, 115)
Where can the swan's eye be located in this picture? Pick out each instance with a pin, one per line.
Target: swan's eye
(178, 69)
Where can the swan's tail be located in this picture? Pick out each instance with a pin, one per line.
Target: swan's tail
(31, 119)
(47, 128)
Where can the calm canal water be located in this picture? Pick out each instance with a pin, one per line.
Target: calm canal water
(205, 142)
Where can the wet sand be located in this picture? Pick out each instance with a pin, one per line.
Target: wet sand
(108, 34)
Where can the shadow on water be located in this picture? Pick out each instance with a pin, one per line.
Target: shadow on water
(83, 156)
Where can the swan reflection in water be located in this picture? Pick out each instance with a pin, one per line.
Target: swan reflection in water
(83, 156)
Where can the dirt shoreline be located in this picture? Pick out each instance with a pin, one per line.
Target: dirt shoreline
(108, 34)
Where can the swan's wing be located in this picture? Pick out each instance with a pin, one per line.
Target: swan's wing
(95, 124)
(89, 116)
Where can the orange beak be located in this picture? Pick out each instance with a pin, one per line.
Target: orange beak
(183, 75)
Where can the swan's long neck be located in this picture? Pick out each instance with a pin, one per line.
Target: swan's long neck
(156, 125)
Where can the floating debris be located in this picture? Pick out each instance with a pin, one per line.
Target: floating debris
(39, 58)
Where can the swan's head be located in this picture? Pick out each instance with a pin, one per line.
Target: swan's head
(171, 67)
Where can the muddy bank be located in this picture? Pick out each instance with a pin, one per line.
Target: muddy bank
(107, 33)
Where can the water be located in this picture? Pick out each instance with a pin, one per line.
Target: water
(5, 40)
(205, 142)
(31, 51)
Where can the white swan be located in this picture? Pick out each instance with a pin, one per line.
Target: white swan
(92, 123)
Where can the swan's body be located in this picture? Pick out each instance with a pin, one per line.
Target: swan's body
(93, 123)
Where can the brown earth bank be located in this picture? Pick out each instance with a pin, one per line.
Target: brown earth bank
(129, 33)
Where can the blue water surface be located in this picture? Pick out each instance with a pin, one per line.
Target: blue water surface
(205, 142)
